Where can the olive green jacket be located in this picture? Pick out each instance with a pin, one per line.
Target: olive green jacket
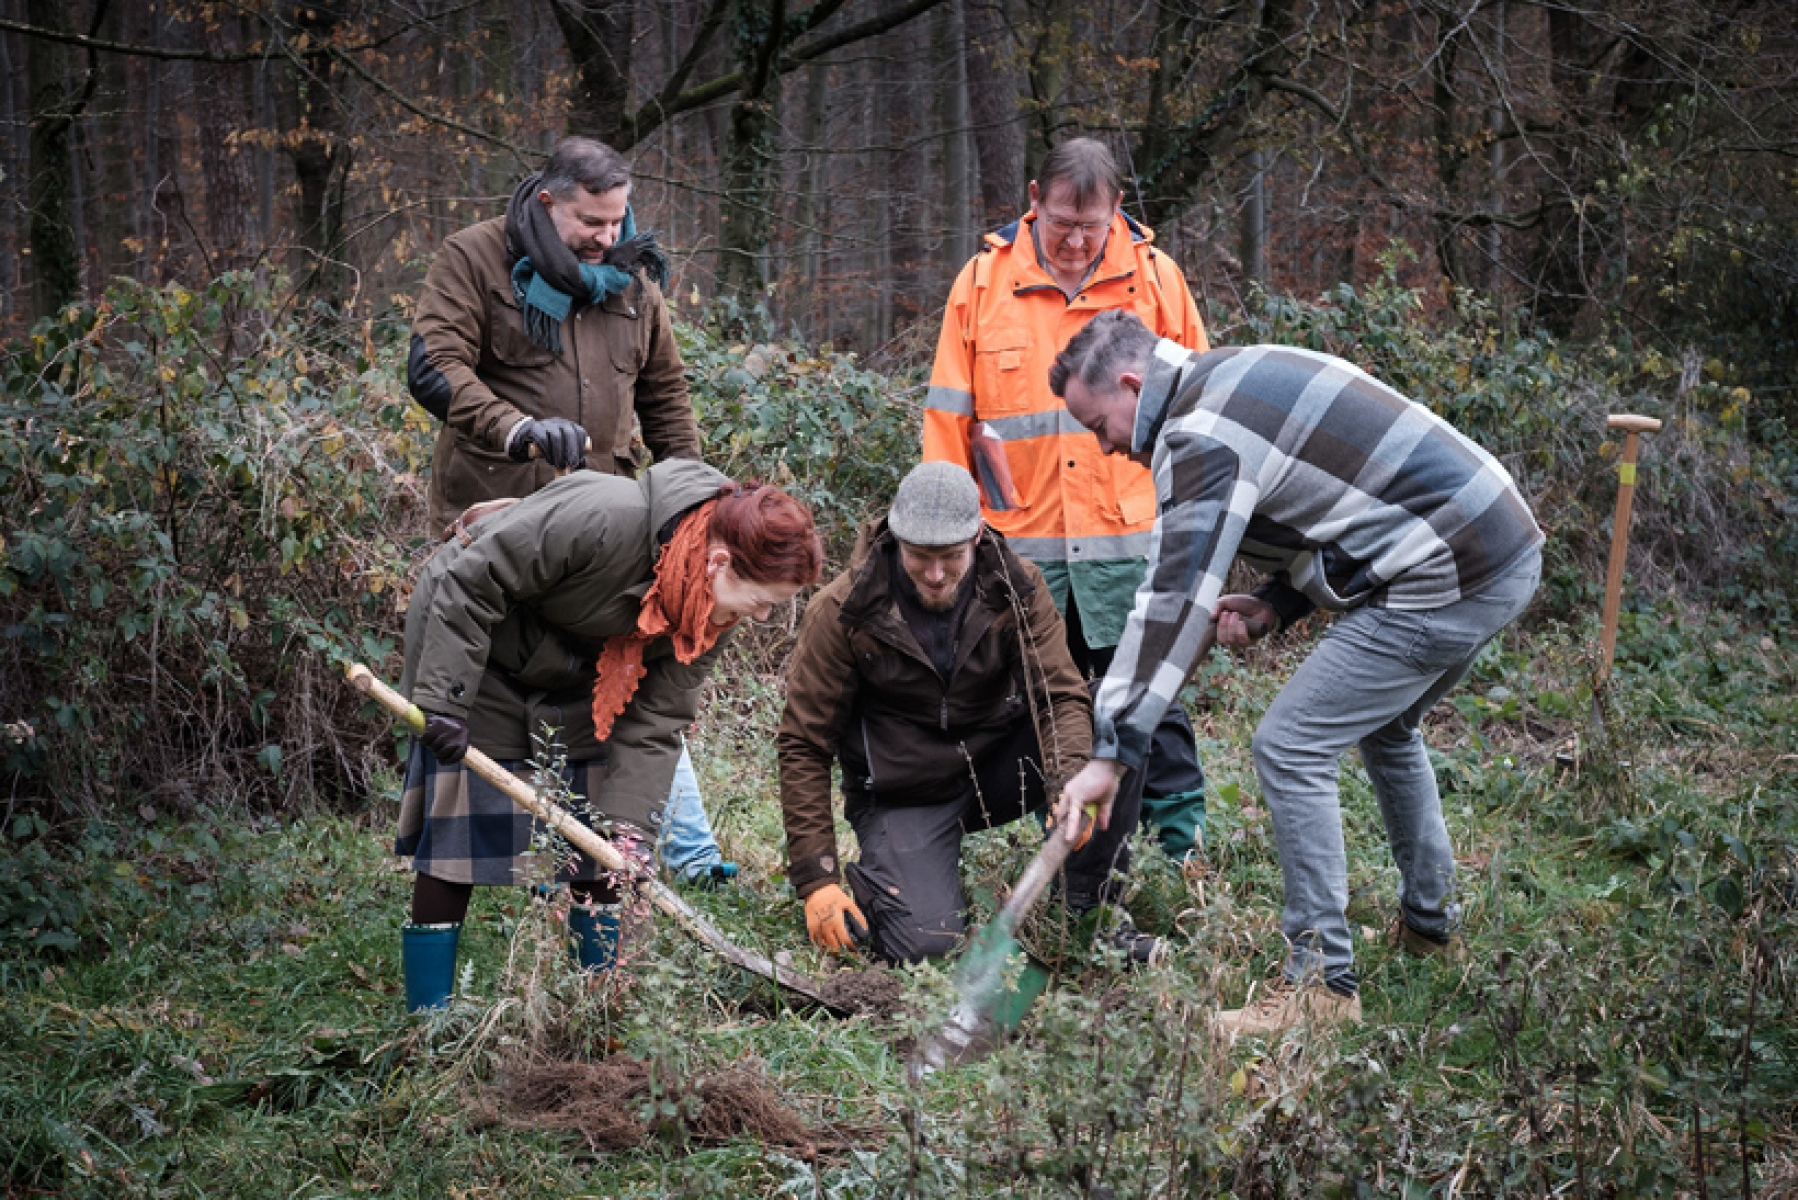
(504, 631)
(618, 362)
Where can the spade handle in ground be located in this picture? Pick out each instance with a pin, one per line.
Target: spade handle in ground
(598, 848)
(1633, 427)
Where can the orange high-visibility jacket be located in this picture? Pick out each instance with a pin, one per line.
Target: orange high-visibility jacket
(1082, 516)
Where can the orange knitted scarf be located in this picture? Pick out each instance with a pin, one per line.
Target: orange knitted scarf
(679, 606)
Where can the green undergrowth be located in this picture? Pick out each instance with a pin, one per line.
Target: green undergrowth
(220, 1013)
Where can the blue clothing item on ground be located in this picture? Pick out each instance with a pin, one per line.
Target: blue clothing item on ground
(1368, 684)
(688, 848)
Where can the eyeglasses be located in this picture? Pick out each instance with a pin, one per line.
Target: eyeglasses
(1065, 227)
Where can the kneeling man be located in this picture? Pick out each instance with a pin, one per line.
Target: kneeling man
(927, 670)
(1352, 499)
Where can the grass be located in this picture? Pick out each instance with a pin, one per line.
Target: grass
(228, 1022)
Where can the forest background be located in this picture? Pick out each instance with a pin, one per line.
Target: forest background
(1525, 215)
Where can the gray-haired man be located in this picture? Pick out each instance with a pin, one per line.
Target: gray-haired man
(1352, 499)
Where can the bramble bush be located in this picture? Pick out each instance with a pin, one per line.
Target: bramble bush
(203, 491)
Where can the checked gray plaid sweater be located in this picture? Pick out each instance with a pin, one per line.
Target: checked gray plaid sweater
(1341, 490)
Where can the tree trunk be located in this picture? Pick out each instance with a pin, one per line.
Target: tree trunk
(813, 196)
(14, 162)
(952, 116)
(598, 36)
(321, 156)
(1051, 56)
(993, 90)
(230, 187)
(1254, 224)
(749, 154)
(55, 262)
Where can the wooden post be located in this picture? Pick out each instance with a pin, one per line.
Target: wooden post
(1633, 428)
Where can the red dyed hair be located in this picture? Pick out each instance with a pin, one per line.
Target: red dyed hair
(771, 536)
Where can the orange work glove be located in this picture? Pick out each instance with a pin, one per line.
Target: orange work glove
(828, 912)
(1086, 827)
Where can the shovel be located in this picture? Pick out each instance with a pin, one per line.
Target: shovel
(601, 851)
(986, 1002)
(992, 993)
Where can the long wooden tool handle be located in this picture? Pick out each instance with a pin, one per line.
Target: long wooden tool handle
(516, 789)
(598, 848)
(1633, 427)
(560, 471)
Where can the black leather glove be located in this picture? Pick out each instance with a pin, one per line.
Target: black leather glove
(445, 737)
(640, 250)
(561, 442)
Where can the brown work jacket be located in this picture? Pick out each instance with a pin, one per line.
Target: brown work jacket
(860, 690)
(618, 362)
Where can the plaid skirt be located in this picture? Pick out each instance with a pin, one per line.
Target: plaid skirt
(459, 828)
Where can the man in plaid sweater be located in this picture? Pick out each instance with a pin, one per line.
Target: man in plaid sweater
(1352, 499)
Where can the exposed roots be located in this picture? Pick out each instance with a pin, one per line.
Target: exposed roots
(600, 1102)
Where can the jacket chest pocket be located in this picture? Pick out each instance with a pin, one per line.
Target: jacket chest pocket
(1002, 381)
(507, 338)
(1132, 493)
(625, 331)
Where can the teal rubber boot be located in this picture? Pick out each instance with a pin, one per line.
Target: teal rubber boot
(593, 935)
(428, 955)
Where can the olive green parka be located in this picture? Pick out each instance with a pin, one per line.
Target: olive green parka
(504, 631)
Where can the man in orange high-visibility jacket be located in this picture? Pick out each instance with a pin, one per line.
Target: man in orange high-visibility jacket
(1082, 517)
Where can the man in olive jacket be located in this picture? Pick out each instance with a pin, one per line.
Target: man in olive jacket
(540, 332)
(927, 671)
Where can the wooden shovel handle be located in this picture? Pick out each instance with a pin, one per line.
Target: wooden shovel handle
(560, 471)
(1633, 427)
(516, 790)
(599, 849)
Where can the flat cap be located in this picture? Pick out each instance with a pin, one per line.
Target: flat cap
(937, 504)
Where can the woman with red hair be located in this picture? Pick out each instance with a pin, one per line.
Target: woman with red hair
(579, 624)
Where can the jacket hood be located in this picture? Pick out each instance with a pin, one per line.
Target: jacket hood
(671, 488)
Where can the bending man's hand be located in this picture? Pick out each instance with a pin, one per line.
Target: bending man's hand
(1244, 619)
(1096, 784)
(828, 912)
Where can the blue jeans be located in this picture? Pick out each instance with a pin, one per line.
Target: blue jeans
(687, 846)
(1368, 684)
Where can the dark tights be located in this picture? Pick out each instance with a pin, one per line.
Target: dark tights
(440, 902)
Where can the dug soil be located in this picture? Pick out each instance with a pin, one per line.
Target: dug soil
(599, 1102)
(871, 993)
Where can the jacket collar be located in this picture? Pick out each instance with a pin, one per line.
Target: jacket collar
(671, 488)
(1119, 260)
(998, 574)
